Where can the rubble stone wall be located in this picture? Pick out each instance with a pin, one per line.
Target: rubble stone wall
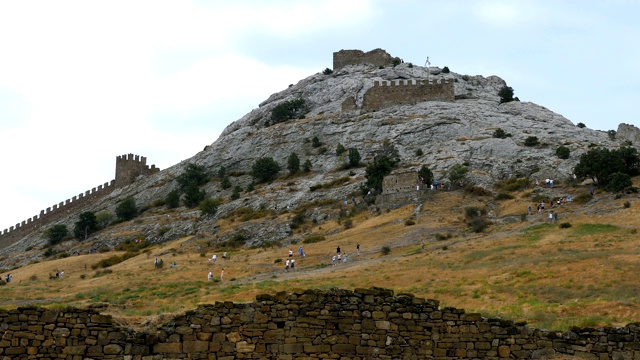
(361, 324)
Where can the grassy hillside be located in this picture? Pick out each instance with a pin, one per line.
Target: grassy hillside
(522, 267)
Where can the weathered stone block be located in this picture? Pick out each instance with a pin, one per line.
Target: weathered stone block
(292, 348)
(168, 348)
(343, 349)
(190, 347)
(112, 349)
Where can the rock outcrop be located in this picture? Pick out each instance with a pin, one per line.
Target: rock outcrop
(438, 134)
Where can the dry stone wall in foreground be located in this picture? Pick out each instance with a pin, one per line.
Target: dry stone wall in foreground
(333, 324)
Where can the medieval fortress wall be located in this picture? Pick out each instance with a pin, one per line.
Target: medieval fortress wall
(376, 57)
(311, 324)
(128, 168)
(384, 94)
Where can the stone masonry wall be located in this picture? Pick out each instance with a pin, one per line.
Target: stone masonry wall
(128, 168)
(400, 182)
(312, 324)
(406, 92)
(54, 213)
(376, 57)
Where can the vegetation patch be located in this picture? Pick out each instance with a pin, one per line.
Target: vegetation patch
(513, 184)
(592, 229)
(313, 239)
(246, 214)
(330, 184)
(114, 259)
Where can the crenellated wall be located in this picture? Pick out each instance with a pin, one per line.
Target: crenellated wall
(55, 213)
(332, 324)
(128, 168)
(384, 94)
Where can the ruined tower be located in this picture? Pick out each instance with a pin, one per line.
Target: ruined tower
(129, 167)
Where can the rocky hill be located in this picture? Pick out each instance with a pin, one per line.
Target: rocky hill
(435, 133)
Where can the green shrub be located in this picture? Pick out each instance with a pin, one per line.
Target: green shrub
(226, 183)
(313, 239)
(235, 195)
(163, 230)
(86, 225)
(340, 149)
(441, 237)
(133, 245)
(297, 220)
(563, 152)
(306, 167)
(506, 94)
(446, 70)
(531, 141)
(113, 260)
(409, 222)
(127, 209)
(500, 134)
(419, 152)
(503, 196)
(348, 224)
(457, 173)
(56, 234)
(252, 186)
(627, 204)
(209, 207)
(237, 240)
(582, 198)
(512, 184)
(288, 110)
(600, 164)
(581, 125)
(564, 225)
(172, 200)
(386, 250)
(425, 175)
(618, 182)
(315, 142)
(327, 71)
(476, 190)
(354, 157)
(222, 172)
(192, 174)
(476, 218)
(193, 195)
(265, 169)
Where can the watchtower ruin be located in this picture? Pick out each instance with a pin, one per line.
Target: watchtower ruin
(376, 57)
(129, 167)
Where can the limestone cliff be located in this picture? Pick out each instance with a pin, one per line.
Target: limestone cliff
(446, 131)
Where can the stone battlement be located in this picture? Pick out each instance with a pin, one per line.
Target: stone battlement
(128, 168)
(384, 94)
(308, 324)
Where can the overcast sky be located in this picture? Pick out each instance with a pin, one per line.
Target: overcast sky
(82, 82)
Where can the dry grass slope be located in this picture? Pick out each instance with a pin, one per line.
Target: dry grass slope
(526, 270)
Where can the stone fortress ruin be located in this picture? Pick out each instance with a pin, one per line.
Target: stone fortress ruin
(361, 324)
(128, 168)
(384, 94)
